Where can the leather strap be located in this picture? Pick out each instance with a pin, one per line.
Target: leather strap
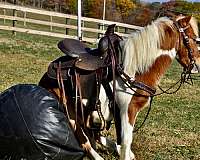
(135, 84)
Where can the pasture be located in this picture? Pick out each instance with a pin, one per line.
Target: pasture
(172, 130)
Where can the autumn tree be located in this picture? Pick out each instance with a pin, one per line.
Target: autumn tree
(125, 7)
(93, 8)
(70, 6)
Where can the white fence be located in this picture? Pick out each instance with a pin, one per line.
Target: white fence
(22, 19)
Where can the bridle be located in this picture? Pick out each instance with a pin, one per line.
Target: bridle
(186, 43)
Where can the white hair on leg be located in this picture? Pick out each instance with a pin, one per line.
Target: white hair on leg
(127, 137)
(123, 98)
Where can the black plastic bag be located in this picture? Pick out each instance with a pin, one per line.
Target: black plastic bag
(34, 127)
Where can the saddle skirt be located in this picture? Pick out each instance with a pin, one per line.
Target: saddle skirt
(66, 63)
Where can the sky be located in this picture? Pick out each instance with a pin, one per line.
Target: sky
(167, 0)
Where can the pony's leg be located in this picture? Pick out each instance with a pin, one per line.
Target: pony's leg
(123, 98)
(127, 136)
(128, 122)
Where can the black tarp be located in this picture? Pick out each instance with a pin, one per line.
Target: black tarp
(33, 126)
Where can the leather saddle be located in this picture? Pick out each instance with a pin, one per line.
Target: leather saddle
(86, 58)
(78, 55)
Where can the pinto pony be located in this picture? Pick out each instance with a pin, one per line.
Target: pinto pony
(146, 57)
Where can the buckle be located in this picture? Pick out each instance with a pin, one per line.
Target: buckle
(181, 30)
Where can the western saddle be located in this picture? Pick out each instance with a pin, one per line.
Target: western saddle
(82, 60)
(78, 55)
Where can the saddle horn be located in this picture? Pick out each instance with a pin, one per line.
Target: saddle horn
(110, 30)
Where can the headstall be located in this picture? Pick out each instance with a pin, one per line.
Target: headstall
(186, 44)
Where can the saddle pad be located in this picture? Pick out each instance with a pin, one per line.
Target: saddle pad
(33, 126)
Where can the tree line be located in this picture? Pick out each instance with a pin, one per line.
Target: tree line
(127, 11)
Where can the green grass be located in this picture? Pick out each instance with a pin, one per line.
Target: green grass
(172, 130)
(24, 58)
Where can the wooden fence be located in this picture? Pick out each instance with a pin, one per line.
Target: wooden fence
(34, 21)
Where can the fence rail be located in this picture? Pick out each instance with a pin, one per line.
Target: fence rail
(15, 18)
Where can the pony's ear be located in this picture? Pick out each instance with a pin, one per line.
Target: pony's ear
(185, 21)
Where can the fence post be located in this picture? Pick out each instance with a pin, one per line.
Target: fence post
(125, 30)
(100, 27)
(14, 15)
(83, 25)
(117, 29)
(4, 13)
(51, 19)
(25, 18)
(67, 29)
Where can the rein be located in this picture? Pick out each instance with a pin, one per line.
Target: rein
(133, 83)
(139, 85)
(185, 77)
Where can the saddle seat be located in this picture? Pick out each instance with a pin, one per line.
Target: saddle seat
(85, 58)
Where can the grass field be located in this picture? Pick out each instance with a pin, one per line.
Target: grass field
(172, 130)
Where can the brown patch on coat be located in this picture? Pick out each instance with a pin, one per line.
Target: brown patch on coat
(170, 39)
(150, 78)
